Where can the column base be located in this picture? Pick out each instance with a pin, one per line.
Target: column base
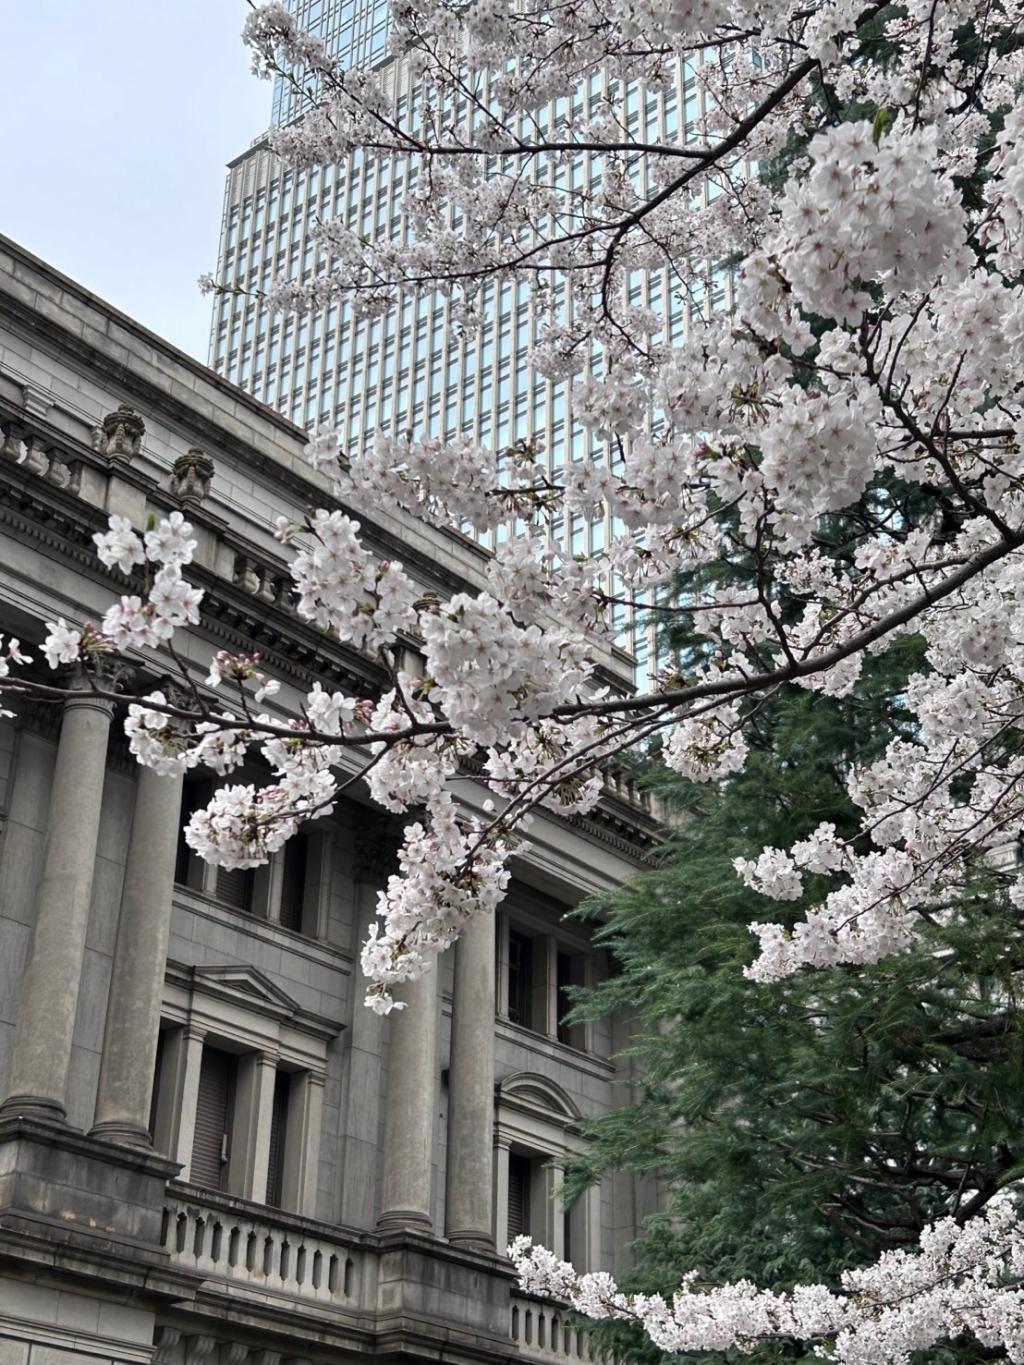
(472, 1240)
(33, 1107)
(123, 1131)
(410, 1220)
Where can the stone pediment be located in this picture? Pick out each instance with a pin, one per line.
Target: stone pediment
(247, 981)
(530, 1090)
(255, 990)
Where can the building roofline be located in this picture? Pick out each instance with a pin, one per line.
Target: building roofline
(154, 339)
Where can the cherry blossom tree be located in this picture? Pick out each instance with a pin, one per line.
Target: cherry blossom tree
(856, 172)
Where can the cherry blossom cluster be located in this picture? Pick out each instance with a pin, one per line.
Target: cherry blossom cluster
(170, 601)
(11, 652)
(957, 1280)
(157, 555)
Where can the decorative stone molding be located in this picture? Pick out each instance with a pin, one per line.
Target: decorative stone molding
(538, 1096)
(33, 455)
(164, 1343)
(198, 1349)
(12, 447)
(192, 476)
(262, 581)
(37, 402)
(38, 455)
(119, 435)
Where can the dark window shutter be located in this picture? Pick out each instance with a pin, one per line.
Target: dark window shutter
(293, 882)
(278, 1137)
(520, 979)
(211, 1143)
(234, 886)
(518, 1196)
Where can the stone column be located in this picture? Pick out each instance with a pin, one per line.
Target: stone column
(302, 1153)
(411, 1115)
(49, 991)
(253, 1115)
(468, 1217)
(501, 1159)
(376, 838)
(137, 978)
(189, 1062)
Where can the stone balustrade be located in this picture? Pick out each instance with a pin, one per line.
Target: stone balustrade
(267, 1252)
(623, 784)
(260, 1250)
(547, 1331)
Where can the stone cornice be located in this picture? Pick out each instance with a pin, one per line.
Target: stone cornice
(35, 509)
(64, 526)
(152, 397)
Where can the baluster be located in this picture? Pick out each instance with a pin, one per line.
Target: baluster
(251, 1248)
(235, 1250)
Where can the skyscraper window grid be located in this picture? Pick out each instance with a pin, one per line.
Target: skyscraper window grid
(355, 32)
(416, 369)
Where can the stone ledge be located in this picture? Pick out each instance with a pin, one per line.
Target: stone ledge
(82, 1189)
(36, 1246)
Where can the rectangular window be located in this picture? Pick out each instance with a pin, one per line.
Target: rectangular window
(278, 1138)
(211, 1144)
(235, 886)
(191, 800)
(520, 979)
(519, 1172)
(189, 868)
(570, 971)
(158, 1069)
(293, 882)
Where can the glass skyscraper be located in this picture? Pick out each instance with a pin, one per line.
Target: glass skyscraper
(412, 370)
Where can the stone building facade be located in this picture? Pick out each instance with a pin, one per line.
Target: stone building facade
(209, 1150)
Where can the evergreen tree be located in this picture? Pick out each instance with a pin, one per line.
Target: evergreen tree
(802, 1127)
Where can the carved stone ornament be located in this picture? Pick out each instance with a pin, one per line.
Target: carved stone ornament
(121, 433)
(37, 402)
(191, 476)
(13, 444)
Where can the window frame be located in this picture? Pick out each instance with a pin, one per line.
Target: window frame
(238, 1009)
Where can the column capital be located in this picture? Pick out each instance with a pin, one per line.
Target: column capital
(107, 673)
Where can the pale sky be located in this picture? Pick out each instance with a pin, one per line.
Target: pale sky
(117, 119)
